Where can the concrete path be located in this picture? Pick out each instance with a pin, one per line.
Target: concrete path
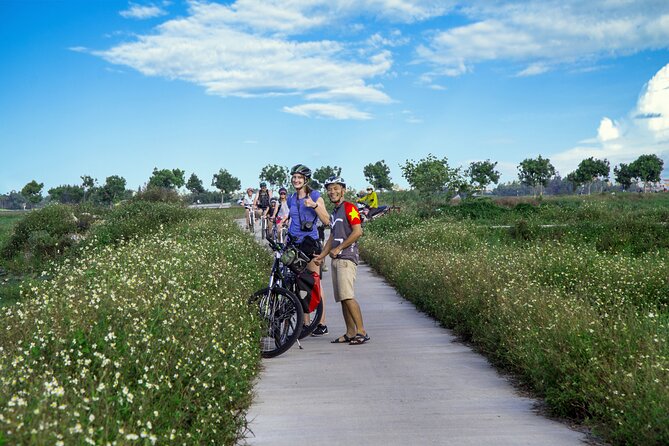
(412, 384)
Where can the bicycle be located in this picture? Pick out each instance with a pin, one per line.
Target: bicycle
(279, 231)
(252, 218)
(281, 305)
(264, 230)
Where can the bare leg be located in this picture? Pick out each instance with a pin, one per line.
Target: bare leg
(353, 317)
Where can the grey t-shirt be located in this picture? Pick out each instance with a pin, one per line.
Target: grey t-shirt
(342, 220)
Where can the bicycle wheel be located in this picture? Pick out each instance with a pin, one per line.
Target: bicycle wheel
(263, 227)
(282, 315)
(314, 319)
(252, 222)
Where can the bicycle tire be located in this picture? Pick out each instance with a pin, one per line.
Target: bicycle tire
(251, 221)
(282, 316)
(314, 319)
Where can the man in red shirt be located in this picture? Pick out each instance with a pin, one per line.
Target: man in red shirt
(342, 247)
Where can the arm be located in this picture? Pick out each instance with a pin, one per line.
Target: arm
(355, 235)
(319, 207)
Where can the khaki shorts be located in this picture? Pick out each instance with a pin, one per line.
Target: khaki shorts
(343, 279)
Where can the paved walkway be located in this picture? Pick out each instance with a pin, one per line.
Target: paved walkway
(412, 384)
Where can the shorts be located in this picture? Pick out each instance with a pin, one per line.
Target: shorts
(310, 247)
(343, 279)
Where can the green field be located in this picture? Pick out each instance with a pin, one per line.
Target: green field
(579, 311)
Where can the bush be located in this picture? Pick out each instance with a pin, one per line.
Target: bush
(150, 342)
(43, 233)
(136, 218)
(589, 331)
(159, 195)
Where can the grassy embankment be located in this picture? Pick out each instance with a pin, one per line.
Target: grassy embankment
(140, 333)
(579, 312)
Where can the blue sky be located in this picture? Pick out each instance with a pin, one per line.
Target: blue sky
(106, 88)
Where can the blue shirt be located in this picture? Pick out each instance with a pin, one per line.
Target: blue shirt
(300, 212)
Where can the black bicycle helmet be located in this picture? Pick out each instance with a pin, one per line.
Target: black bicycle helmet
(302, 170)
(263, 184)
(334, 179)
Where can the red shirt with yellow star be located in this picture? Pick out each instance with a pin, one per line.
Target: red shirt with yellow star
(342, 220)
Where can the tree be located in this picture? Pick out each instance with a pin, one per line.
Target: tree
(431, 175)
(275, 175)
(194, 184)
(113, 190)
(168, 179)
(590, 170)
(12, 200)
(226, 183)
(536, 172)
(623, 175)
(378, 174)
(648, 169)
(577, 179)
(87, 184)
(67, 194)
(482, 173)
(321, 174)
(32, 192)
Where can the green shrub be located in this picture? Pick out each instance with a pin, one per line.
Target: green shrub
(159, 194)
(136, 218)
(476, 209)
(588, 330)
(43, 233)
(522, 230)
(149, 342)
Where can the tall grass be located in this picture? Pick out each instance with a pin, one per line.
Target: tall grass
(588, 330)
(148, 341)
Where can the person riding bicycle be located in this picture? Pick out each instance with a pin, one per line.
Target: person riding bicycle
(371, 199)
(305, 207)
(247, 201)
(262, 200)
(281, 211)
(342, 247)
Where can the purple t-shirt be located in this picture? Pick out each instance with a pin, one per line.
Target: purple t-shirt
(300, 212)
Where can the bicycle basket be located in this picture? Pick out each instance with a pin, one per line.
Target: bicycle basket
(294, 259)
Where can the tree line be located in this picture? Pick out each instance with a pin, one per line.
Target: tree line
(428, 175)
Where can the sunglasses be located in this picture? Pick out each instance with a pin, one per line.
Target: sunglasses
(282, 193)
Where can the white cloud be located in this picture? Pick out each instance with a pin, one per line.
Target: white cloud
(334, 111)
(547, 33)
(534, 69)
(140, 12)
(608, 130)
(645, 130)
(242, 50)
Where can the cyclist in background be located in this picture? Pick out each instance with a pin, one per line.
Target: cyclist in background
(247, 201)
(262, 200)
(305, 207)
(281, 211)
(371, 199)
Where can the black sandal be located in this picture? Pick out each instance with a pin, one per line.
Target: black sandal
(359, 339)
(339, 341)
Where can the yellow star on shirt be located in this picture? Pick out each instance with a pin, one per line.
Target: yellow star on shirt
(354, 214)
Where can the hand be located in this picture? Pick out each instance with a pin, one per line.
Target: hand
(317, 260)
(334, 252)
(308, 202)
